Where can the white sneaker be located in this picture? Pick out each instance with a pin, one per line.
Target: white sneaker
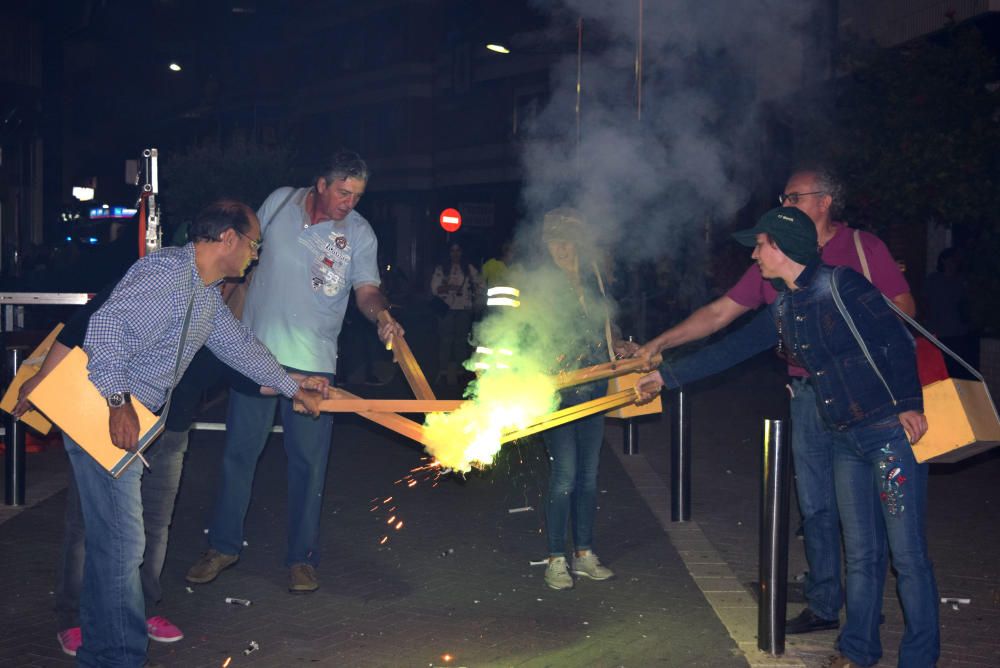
(557, 574)
(589, 566)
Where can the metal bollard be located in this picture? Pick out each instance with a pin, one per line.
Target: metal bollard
(14, 440)
(680, 457)
(777, 476)
(630, 444)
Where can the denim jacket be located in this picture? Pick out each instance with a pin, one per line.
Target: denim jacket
(848, 392)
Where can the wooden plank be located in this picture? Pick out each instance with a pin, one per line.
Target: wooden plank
(397, 423)
(403, 356)
(587, 408)
(345, 405)
(602, 371)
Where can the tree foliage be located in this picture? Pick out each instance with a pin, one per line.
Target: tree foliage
(914, 132)
(241, 170)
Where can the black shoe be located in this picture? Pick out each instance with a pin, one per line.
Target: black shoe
(807, 622)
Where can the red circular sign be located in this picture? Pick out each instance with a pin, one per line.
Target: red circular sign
(450, 220)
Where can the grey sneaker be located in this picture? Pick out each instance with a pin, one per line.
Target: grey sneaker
(589, 566)
(557, 574)
(208, 567)
(302, 579)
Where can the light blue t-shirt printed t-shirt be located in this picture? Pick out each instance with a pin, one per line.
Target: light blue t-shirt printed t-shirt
(298, 297)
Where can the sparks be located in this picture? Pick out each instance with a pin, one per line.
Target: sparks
(225, 664)
(385, 539)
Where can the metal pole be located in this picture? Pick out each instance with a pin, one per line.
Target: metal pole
(14, 440)
(680, 457)
(579, 74)
(774, 539)
(638, 66)
(630, 444)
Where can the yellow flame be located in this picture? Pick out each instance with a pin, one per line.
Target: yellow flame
(470, 436)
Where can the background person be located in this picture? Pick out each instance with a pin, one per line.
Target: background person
(458, 284)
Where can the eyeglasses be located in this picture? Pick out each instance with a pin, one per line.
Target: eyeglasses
(793, 198)
(255, 244)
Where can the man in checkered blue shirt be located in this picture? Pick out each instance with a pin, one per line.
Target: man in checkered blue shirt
(132, 344)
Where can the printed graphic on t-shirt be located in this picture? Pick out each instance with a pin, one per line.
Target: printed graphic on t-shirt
(330, 263)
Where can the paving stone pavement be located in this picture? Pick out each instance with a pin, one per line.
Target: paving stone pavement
(453, 583)
(964, 499)
(455, 579)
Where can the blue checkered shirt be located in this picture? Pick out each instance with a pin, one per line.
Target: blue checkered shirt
(132, 339)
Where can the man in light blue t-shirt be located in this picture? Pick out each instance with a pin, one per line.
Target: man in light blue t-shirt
(318, 249)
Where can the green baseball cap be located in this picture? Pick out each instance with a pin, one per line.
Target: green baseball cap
(791, 229)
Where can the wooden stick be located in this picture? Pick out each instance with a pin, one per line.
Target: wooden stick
(602, 371)
(397, 423)
(345, 405)
(560, 417)
(403, 356)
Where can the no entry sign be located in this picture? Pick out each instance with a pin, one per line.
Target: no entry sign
(450, 220)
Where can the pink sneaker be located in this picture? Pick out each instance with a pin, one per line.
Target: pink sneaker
(70, 640)
(162, 629)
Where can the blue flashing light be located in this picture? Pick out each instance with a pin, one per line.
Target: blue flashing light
(112, 212)
(69, 238)
(92, 240)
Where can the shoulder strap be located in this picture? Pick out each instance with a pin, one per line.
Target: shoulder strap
(861, 255)
(930, 337)
(607, 311)
(280, 207)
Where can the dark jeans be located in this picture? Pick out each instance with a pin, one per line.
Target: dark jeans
(812, 450)
(574, 455)
(307, 446)
(882, 494)
(159, 492)
(112, 614)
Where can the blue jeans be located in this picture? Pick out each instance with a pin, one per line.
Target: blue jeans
(882, 493)
(159, 492)
(812, 452)
(307, 446)
(574, 454)
(112, 614)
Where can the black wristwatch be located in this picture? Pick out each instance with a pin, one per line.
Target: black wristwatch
(119, 399)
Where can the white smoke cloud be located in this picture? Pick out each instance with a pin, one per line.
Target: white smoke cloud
(695, 154)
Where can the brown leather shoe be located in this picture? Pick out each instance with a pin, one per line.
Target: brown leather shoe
(208, 567)
(302, 579)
